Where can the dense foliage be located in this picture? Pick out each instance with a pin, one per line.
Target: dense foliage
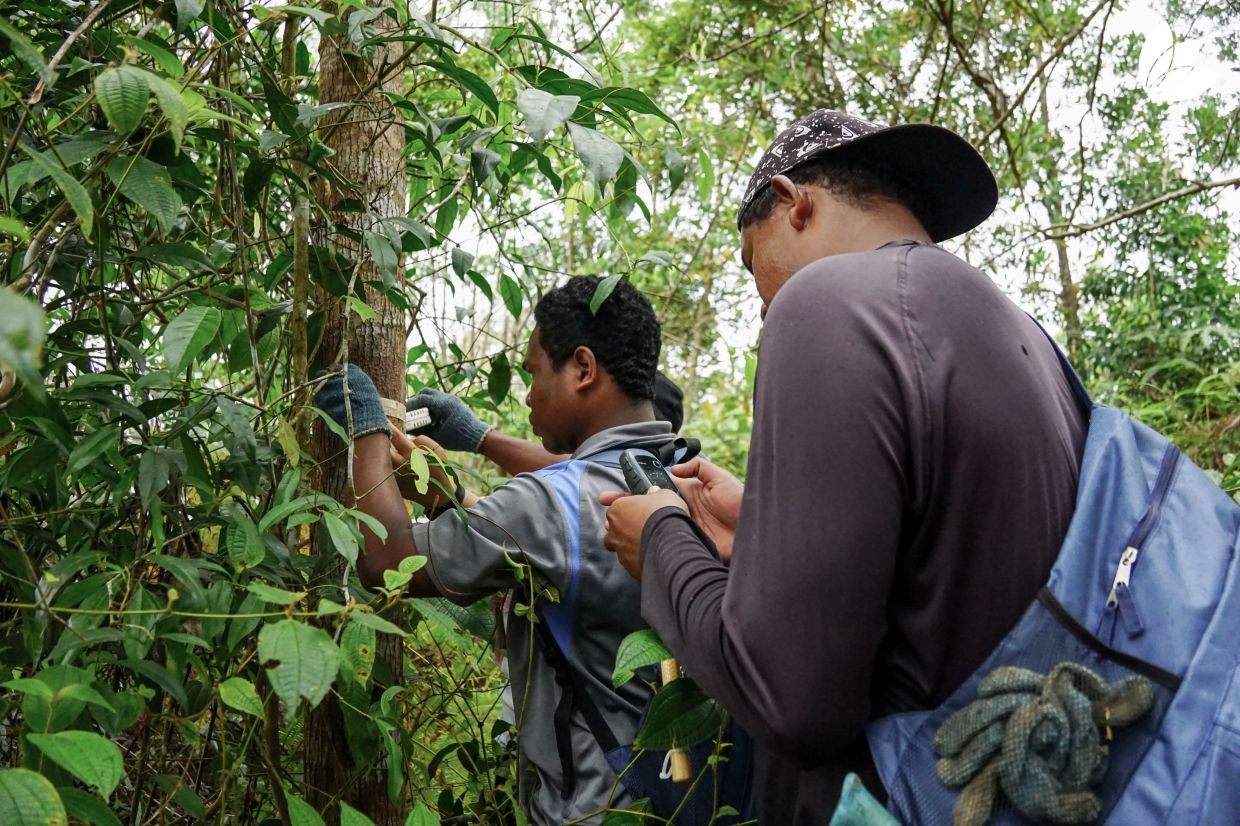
(172, 263)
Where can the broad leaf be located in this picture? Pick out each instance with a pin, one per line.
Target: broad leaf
(342, 536)
(301, 661)
(545, 112)
(123, 93)
(601, 155)
(171, 104)
(187, 335)
(239, 693)
(352, 817)
(27, 52)
(29, 799)
(74, 192)
(680, 716)
(87, 808)
(421, 816)
(22, 331)
(148, 185)
(90, 757)
(301, 813)
(500, 380)
(510, 291)
(638, 650)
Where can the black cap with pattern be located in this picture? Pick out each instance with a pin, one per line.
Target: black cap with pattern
(956, 187)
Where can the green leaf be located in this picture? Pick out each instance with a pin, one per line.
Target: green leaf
(171, 104)
(275, 596)
(386, 258)
(29, 799)
(659, 258)
(680, 716)
(22, 331)
(360, 308)
(153, 470)
(342, 535)
(357, 652)
(638, 650)
(123, 93)
(545, 112)
(301, 661)
(177, 254)
(471, 82)
(159, 675)
(148, 185)
(87, 808)
(187, 10)
(352, 817)
(239, 693)
(286, 435)
(90, 757)
(74, 192)
(92, 446)
(421, 816)
(244, 545)
(676, 167)
(14, 227)
(187, 335)
(27, 52)
(601, 155)
(461, 261)
(500, 380)
(706, 176)
(603, 290)
(421, 470)
(510, 291)
(301, 813)
(379, 624)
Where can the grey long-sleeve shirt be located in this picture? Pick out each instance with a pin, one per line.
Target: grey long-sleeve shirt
(912, 472)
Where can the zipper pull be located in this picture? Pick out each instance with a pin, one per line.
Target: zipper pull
(1123, 574)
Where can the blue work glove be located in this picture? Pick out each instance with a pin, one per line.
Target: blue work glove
(364, 405)
(453, 424)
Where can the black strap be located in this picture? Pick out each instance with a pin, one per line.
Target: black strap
(573, 695)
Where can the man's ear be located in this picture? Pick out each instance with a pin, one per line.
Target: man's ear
(586, 368)
(797, 199)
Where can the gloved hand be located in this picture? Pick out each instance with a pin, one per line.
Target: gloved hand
(364, 406)
(453, 425)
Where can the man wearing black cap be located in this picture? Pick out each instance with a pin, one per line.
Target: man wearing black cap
(912, 468)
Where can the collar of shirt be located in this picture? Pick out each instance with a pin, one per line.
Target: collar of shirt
(636, 434)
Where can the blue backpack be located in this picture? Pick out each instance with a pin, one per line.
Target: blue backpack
(725, 784)
(1144, 595)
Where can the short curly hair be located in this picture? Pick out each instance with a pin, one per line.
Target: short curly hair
(624, 334)
(855, 181)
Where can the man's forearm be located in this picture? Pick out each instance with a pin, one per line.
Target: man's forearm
(515, 455)
(378, 495)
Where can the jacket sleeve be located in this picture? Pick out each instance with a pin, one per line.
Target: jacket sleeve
(786, 637)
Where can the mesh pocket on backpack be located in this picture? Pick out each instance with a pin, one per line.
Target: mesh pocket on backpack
(1046, 637)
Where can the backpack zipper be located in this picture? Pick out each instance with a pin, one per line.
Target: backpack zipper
(1121, 584)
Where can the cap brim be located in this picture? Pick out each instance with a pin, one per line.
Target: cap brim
(957, 188)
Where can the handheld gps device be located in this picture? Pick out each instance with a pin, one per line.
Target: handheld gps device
(643, 470)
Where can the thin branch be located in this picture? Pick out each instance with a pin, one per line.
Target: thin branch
(1073, 230)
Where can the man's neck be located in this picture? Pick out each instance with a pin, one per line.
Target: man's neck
(615, 413)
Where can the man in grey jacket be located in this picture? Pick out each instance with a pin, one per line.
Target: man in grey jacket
(539, 534)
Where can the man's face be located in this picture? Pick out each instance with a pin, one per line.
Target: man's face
(552, 399)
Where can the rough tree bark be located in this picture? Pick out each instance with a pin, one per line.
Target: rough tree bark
(368, 140)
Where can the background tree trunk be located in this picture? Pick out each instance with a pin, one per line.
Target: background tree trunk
(368, 139)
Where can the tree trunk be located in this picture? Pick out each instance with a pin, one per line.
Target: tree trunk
(368, 139)
(1052, 200)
